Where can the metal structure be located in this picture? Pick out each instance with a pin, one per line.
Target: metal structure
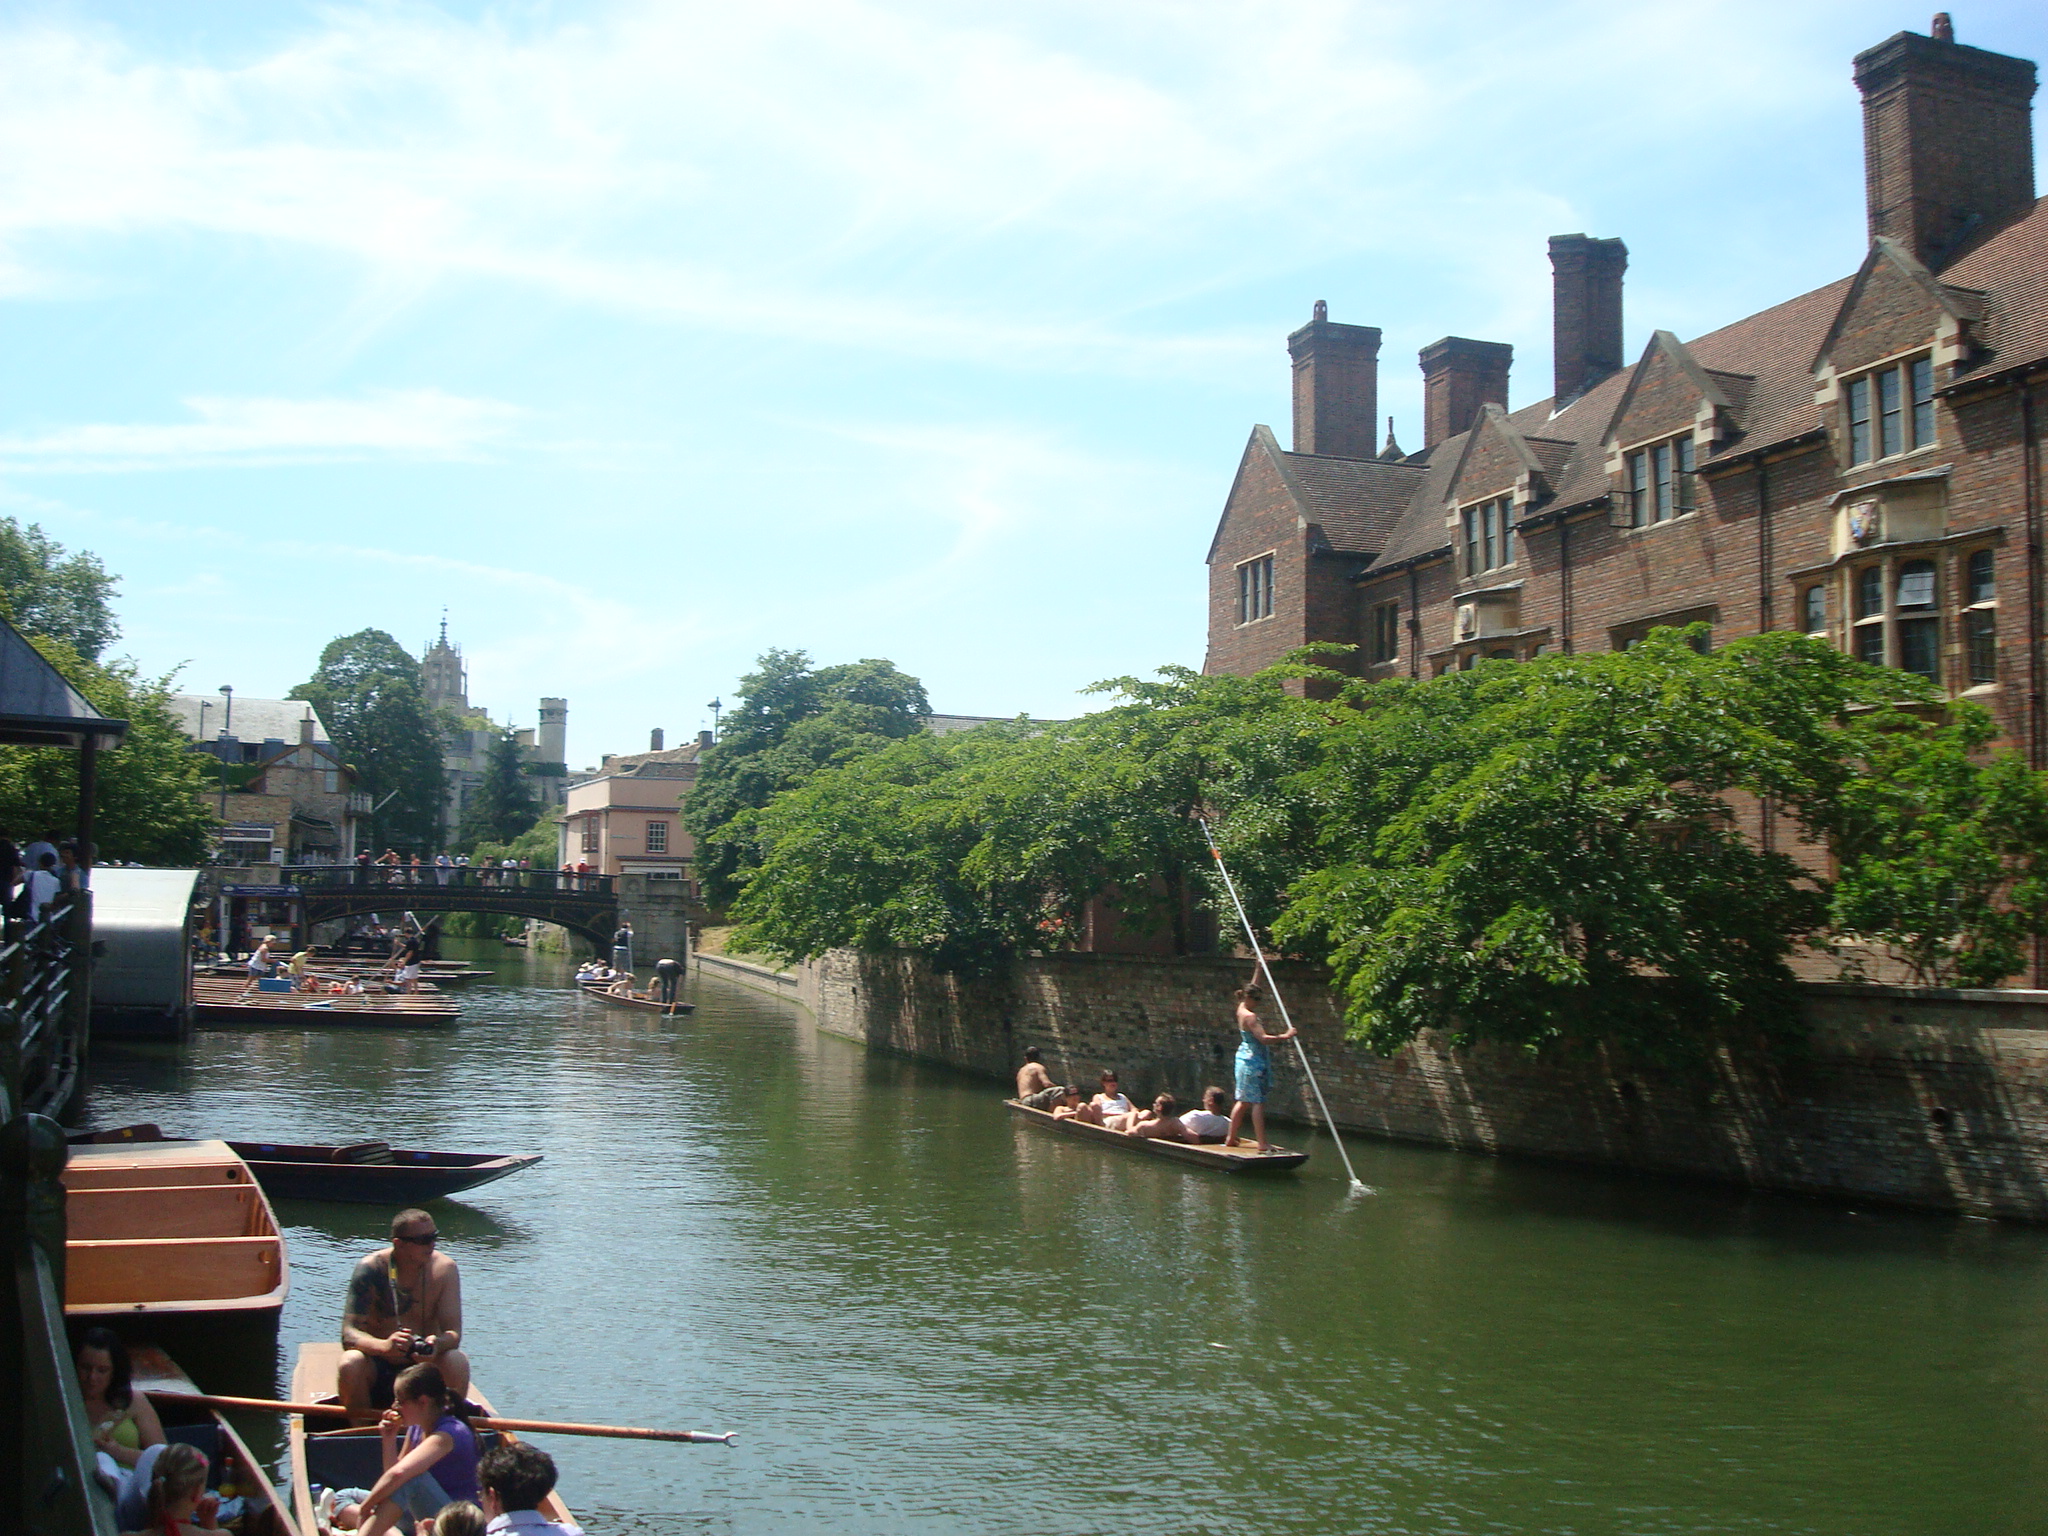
(586, 905)
(142, 932)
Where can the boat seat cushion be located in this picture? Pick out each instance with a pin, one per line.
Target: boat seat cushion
(364, 1152)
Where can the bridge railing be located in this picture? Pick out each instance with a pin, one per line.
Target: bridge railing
(475, 877)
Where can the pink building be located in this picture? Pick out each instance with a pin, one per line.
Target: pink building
(626, 819)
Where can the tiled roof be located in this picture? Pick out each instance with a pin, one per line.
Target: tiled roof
(2011, 268)
(253, 719)
(1357, 502)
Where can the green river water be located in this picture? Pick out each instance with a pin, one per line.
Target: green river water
(921, 1317)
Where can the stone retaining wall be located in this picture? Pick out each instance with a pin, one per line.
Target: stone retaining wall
(1932, 1099)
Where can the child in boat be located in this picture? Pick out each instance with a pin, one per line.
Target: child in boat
(435, 1466)
(461, 1518)
(179, 1504)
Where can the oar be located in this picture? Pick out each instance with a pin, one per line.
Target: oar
(491, 1421)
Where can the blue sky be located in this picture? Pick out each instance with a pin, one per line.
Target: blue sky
(644, 337)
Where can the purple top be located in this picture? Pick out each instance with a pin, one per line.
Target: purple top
(455, 1472)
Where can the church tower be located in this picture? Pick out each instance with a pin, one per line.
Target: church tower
(442, 678)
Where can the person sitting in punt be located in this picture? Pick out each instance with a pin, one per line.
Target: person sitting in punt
(1073, 1107)
(1209, 1123)
(1159, 1123)
(434, 1466)
(299, 967)
(404, 1308)
(622, 985)
(516, 1479)
(1035, 1087)
(1111, 1100)
(461, 1518)
(125, 1429)
(177, 1503)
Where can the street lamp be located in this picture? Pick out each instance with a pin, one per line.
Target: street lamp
(227, 725)
(715, 706)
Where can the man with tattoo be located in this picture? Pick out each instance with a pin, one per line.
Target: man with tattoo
(404, 1308)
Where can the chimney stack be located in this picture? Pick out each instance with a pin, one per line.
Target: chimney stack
(1336, 386)
(654, 739)
(704, 741)
(1585, 313)
(1948, 141)
(1459, 376)
(306, 731)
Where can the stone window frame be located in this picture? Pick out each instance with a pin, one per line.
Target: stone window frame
(1951, 555)
(1884, 630)
(1638, 501)
(1813, 609)
(1486, 529)
(657, 837)
(1627, 636)
(591, 842)
(1255, 585)
(1978, 616)
(1383, 633)
(1862, 401)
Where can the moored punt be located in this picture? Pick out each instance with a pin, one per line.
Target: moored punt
(604, 994)
(1202, 1154)
(217, 1001)
(373, 1172)
(174, 1229)
(266, 1513)
(351, 1458)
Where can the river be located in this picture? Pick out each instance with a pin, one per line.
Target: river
(921, 1317)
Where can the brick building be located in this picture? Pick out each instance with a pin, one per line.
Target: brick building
(1862, 462)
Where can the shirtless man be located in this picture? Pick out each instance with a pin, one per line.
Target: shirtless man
(404, 1308)
(1160, 1123)
(1035, 1087)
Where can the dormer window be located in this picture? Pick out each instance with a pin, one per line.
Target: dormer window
(1489, 535)
(1890, 410)
(1659, 482)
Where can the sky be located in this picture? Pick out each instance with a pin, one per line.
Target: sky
(645, 337)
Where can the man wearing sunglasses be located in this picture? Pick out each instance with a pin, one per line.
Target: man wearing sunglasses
(404, 1308)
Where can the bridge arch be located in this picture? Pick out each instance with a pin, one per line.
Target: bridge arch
(586, 905)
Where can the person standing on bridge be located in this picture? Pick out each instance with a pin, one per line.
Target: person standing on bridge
(669, 973)
(622, 948)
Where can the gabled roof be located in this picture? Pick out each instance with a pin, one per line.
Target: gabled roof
(1356, 502)
(255, 720)
(38, 708)
(1961, 303)
(2011, 271)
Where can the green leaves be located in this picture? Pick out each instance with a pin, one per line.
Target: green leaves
(52, 593)
(504, 804)
(367, 690)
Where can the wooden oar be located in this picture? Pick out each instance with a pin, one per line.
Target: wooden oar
(527, 1426)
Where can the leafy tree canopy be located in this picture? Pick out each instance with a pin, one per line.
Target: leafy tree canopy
(791, 719)
(367, 689)
(504, 805)
(151, 808)
(48, 591)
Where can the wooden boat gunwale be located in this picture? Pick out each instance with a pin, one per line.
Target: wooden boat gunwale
(1212, 1155)
(598, 991)
(313, 1381)
(155, 1371)
(411, 1174)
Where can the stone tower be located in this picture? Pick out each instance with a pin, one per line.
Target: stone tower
(442, 678)
(553, 743)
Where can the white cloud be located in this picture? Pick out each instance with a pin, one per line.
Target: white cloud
(409, 423)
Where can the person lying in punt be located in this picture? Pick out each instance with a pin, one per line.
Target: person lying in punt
(1071, 1106)
(1209, 1123)
(1159, 1123)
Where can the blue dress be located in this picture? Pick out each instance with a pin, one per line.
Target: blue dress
(1254, 1068)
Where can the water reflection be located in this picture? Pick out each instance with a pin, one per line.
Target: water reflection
(925, 1316)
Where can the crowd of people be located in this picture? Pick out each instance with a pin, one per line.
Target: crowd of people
(1163, 1119)
(394, 868)
(400, 973)
(33, 875)
(402, 1369)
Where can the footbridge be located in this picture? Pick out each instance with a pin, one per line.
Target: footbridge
(586, 905)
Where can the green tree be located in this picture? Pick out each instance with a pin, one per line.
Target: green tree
(150, 807)
(504, 805)
(1943, 851)
(51, 592)
(367, 690)
(1548, 852)
(791, 720)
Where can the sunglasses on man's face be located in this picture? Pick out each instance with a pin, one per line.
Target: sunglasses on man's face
(425, 1239)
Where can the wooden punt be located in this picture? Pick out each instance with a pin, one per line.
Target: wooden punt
(599, 990)
(373, 1172)
(220, 1001)
(1201, 1154)
(348, 1458)
(267, 1513)
(169, 1229)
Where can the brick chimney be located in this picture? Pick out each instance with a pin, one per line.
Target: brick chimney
(1585, 313)
(306, 731)
(1336, 386)
(1460, 375)
(1948, 141)
(654, 739)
